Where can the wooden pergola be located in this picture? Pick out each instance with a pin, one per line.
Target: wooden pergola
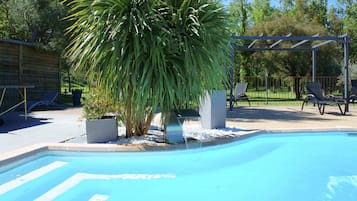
(296, 43)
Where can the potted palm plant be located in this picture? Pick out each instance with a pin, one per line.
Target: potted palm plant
(101, 121)
(150, 53)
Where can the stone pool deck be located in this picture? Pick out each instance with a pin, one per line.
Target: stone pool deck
(290, 118)
(68, 125)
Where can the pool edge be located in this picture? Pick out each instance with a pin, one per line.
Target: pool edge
(22, 153)
(13, 156)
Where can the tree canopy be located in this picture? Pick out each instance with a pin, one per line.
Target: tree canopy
(39, 22)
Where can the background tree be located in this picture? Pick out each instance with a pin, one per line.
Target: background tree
(144, 53)
(39, 22)
(4, 19)
(349, 12)
(239, 19)
(286, 6)
(260, 11)
(238, 15)
(334, 23)
(317, 12)
(350, 25)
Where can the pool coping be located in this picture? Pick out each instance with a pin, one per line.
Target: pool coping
(25, 152)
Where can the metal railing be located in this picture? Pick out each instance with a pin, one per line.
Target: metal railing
(286, 90)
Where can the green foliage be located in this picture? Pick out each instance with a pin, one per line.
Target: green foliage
(238, 15)
(149, 53)
(39, 22)
(260, 11)
(350, 26)
(97, 104)
(317, 12)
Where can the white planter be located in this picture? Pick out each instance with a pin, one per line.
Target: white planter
(213, 110)
(101, 130)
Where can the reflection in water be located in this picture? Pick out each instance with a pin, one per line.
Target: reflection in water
(342, 188)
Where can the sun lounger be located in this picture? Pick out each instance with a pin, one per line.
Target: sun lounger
(240, 93)
(353, 96)
(48, 98)
(315, 94)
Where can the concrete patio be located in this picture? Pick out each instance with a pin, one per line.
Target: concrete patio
(277, 118)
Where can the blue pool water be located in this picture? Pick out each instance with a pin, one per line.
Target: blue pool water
(269, 167)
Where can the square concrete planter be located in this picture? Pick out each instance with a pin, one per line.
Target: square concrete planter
(213, 110)
(101, 130)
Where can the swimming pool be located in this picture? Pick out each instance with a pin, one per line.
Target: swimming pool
(269, 167)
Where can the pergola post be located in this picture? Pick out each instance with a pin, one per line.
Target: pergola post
(313, 65)
(231, 78)
(345, 47)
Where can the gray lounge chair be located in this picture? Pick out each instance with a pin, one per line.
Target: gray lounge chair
(353, 96)
(240, 93)
(316, 95)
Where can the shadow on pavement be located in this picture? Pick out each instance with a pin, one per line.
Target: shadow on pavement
(251, 114)
(16, 120)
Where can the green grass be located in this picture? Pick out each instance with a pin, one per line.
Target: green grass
(278, 97)
(66, 97)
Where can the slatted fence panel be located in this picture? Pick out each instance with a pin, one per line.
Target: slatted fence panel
(22, 64)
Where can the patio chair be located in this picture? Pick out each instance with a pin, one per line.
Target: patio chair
(47, 99)
(240, 93)
(316, 95)
(353, 97)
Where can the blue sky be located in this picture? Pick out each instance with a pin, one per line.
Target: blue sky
(330, 2)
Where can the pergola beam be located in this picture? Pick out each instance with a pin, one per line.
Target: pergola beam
(321, 44)
(279, 41)
(252, 43)
(273, 49)
(292, 38)
(299, 43)
(303, 41)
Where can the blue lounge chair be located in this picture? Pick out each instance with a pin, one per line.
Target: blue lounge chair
(316, 95)
(47, 99)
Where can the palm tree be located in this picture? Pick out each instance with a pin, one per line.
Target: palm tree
(149, 53)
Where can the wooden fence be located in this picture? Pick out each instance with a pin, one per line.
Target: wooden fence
(23, 64)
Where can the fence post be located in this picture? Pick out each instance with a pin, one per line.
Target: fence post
(266, 87)
(21, 62)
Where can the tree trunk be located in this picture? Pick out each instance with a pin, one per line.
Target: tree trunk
(34, 33)
(165, 119)
(143, 123)
(297, 88)
(148, 122)
(128, 117)
(69, 80)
